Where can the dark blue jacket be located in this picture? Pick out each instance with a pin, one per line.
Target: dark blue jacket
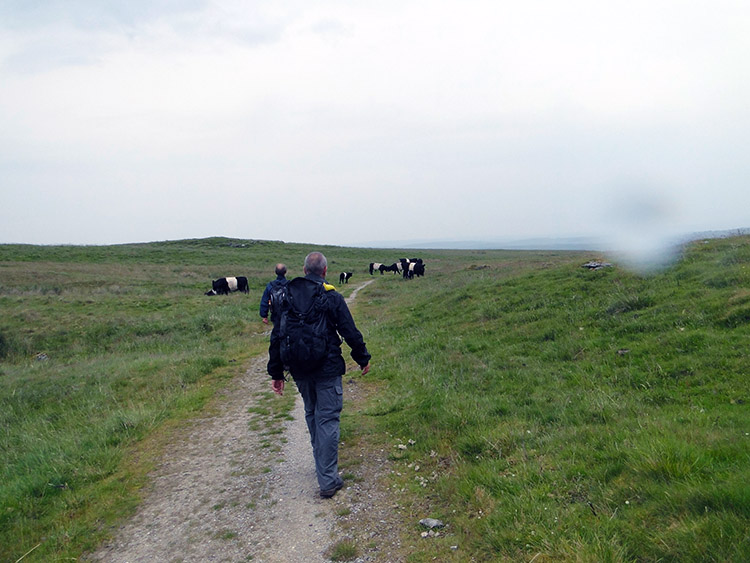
(340, 322)
(264, 301)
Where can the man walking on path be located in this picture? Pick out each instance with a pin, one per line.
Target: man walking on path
(318, 378)
(271, 290)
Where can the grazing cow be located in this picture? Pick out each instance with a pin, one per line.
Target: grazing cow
(414, 269)
(344, 277)
(382, 268)
(224, 286)
(404, 262)
(408, 269)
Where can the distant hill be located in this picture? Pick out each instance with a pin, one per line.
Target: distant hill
(539, 243)
(572, 243)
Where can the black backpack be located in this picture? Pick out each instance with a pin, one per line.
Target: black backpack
(278, 295)
(304, 334)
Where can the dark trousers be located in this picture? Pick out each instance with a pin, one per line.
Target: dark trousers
(324, 399)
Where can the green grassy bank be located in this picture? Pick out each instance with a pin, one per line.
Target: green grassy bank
(568, 414)
(101, 349)
(557, 413)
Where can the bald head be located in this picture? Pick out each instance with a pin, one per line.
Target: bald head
(316, 263)
(280, 269)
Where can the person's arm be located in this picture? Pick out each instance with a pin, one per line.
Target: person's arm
(275, 366)
(264, 303)
(348, 330)
(278, 386)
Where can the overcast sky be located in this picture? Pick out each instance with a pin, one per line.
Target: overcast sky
(344, 122)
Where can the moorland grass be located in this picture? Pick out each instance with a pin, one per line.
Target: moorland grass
(101, 350)
(557, 413)
(569, 414)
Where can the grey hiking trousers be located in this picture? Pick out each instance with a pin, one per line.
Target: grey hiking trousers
(324, 399)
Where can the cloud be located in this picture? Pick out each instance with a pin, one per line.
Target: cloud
(87, 15)
(480, 119)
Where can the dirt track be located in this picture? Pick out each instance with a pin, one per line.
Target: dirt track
(218, 495)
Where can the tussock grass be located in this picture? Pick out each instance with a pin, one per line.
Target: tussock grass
(344, 550)
(102, 349)
(568, 414)
(556, 413)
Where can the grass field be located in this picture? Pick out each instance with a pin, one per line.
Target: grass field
(557, 413)
(577, 415)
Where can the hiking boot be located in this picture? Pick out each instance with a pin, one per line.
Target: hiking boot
(328, 493)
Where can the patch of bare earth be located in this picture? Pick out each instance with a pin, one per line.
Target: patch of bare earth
(220, 494)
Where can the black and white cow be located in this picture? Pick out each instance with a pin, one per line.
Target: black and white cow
(404, 266)
(382, 268)
(344, 277)
(413, 268)
(408, 270)
(224, 286)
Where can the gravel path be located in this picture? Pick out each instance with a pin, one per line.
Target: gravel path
(220, 495)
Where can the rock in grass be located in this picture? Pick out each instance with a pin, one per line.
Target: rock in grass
(596, 265)
(431, 523)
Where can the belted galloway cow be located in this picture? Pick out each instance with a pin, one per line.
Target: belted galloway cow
(225, 286)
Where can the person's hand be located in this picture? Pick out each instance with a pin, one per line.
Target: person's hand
(278, 386)
(265, 320)
(365, 369)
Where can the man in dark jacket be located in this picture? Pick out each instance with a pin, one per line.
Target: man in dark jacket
(265, 301)
(320, 386)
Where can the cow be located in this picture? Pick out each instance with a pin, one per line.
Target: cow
(383, 268)
(376, 266)
(413, 269)
(344, 277)
(224, 286)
